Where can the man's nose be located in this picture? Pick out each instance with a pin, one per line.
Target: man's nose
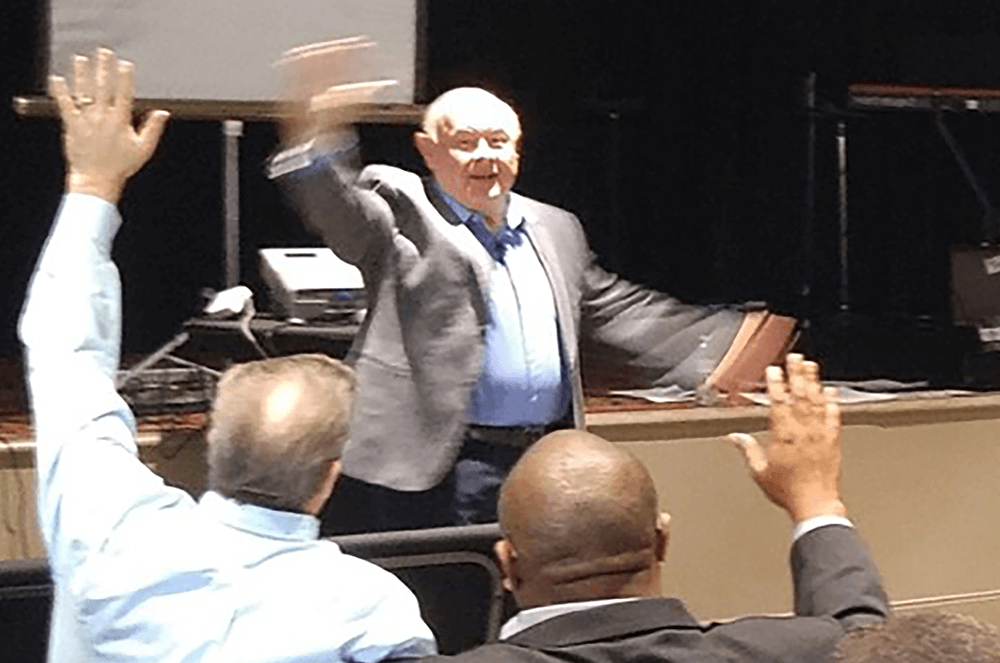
(483, 150)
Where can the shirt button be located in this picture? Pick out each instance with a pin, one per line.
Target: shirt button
(533, 399)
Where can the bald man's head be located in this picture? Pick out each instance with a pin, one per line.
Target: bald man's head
(277, 425)
(462, 105)
(581, 522)
(470, 142)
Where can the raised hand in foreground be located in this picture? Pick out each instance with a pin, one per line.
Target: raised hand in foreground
(101, 146)
(799, 467)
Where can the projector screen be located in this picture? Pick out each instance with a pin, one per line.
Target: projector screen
(223, 49)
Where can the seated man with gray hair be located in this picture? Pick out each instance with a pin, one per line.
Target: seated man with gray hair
(923, 637)
(142, 572)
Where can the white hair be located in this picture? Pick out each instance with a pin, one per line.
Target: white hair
(456, 100)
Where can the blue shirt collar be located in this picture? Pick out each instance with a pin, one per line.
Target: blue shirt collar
(259, 520)
(496, 243)
(511, 218)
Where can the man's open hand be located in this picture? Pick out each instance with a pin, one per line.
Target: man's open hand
(322, 97)
(799, 469)
(101, 146)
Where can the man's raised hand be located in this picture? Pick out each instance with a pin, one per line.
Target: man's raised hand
(799, 468)
(317, 79)
(101, 146)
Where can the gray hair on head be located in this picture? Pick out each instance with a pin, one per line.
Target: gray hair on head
(276, 427)
(922, 637)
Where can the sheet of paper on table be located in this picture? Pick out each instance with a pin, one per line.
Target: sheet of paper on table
(850, 395)
(671, 394)
(845, 394)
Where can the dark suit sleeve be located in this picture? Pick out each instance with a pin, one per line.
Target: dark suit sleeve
(836, 588)
(834, 575)
(341, 206)
(632, 336)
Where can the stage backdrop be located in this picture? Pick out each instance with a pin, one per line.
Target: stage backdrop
(223, 49)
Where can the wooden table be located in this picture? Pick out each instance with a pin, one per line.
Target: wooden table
(920, 480)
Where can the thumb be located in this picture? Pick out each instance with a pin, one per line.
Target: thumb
(752, 452)
(150, 132)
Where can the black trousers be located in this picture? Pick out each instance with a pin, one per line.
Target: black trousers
(466, 496)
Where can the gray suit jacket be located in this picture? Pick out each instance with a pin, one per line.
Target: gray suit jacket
(836, 588)
(420, 349)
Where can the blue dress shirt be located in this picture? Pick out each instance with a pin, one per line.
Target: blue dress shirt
(524, 379)
(142, 572)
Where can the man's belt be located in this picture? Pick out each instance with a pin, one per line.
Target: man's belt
(513, 436)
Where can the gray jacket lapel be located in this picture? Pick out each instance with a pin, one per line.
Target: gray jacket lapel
(462, 239)
(545, 247)
(566, 310)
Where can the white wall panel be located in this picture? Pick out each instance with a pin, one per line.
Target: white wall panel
(223, 49)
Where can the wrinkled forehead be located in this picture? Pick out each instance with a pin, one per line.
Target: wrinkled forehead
(478, 113)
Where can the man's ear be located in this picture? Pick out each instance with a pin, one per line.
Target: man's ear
(662, 535)
(427, 147)
(315, 504)
(334, 473)
(507, 557)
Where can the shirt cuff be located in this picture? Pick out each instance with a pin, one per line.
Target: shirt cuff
(803, 527)
(92, 217)
(306, 154)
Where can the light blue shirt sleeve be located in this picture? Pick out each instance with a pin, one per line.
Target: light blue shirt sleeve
(84, 431)
(142, 572)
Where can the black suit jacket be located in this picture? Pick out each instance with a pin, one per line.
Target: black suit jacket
(836, 588)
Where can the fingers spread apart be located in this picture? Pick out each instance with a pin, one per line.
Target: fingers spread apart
(107, 85)
(776, 389)
(347, 94)
(150, 133)
(832, 409)
(125, 93)
(325, 50)
(106, 79)
(753, 453)
(59, 90)
(83, 81)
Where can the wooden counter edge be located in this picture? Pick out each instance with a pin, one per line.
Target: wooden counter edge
(678, 424)
(647, 425)
(12, 450)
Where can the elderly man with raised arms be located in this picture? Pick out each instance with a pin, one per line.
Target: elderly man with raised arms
(478, 300)
(142, 572)
(583, 543)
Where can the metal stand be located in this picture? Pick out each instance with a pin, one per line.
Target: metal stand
(231, 130)
(991, 221)
(123, 377)
(145, 370)
(845, 303)
(185, 386)
(827, 111)
(805, 292)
